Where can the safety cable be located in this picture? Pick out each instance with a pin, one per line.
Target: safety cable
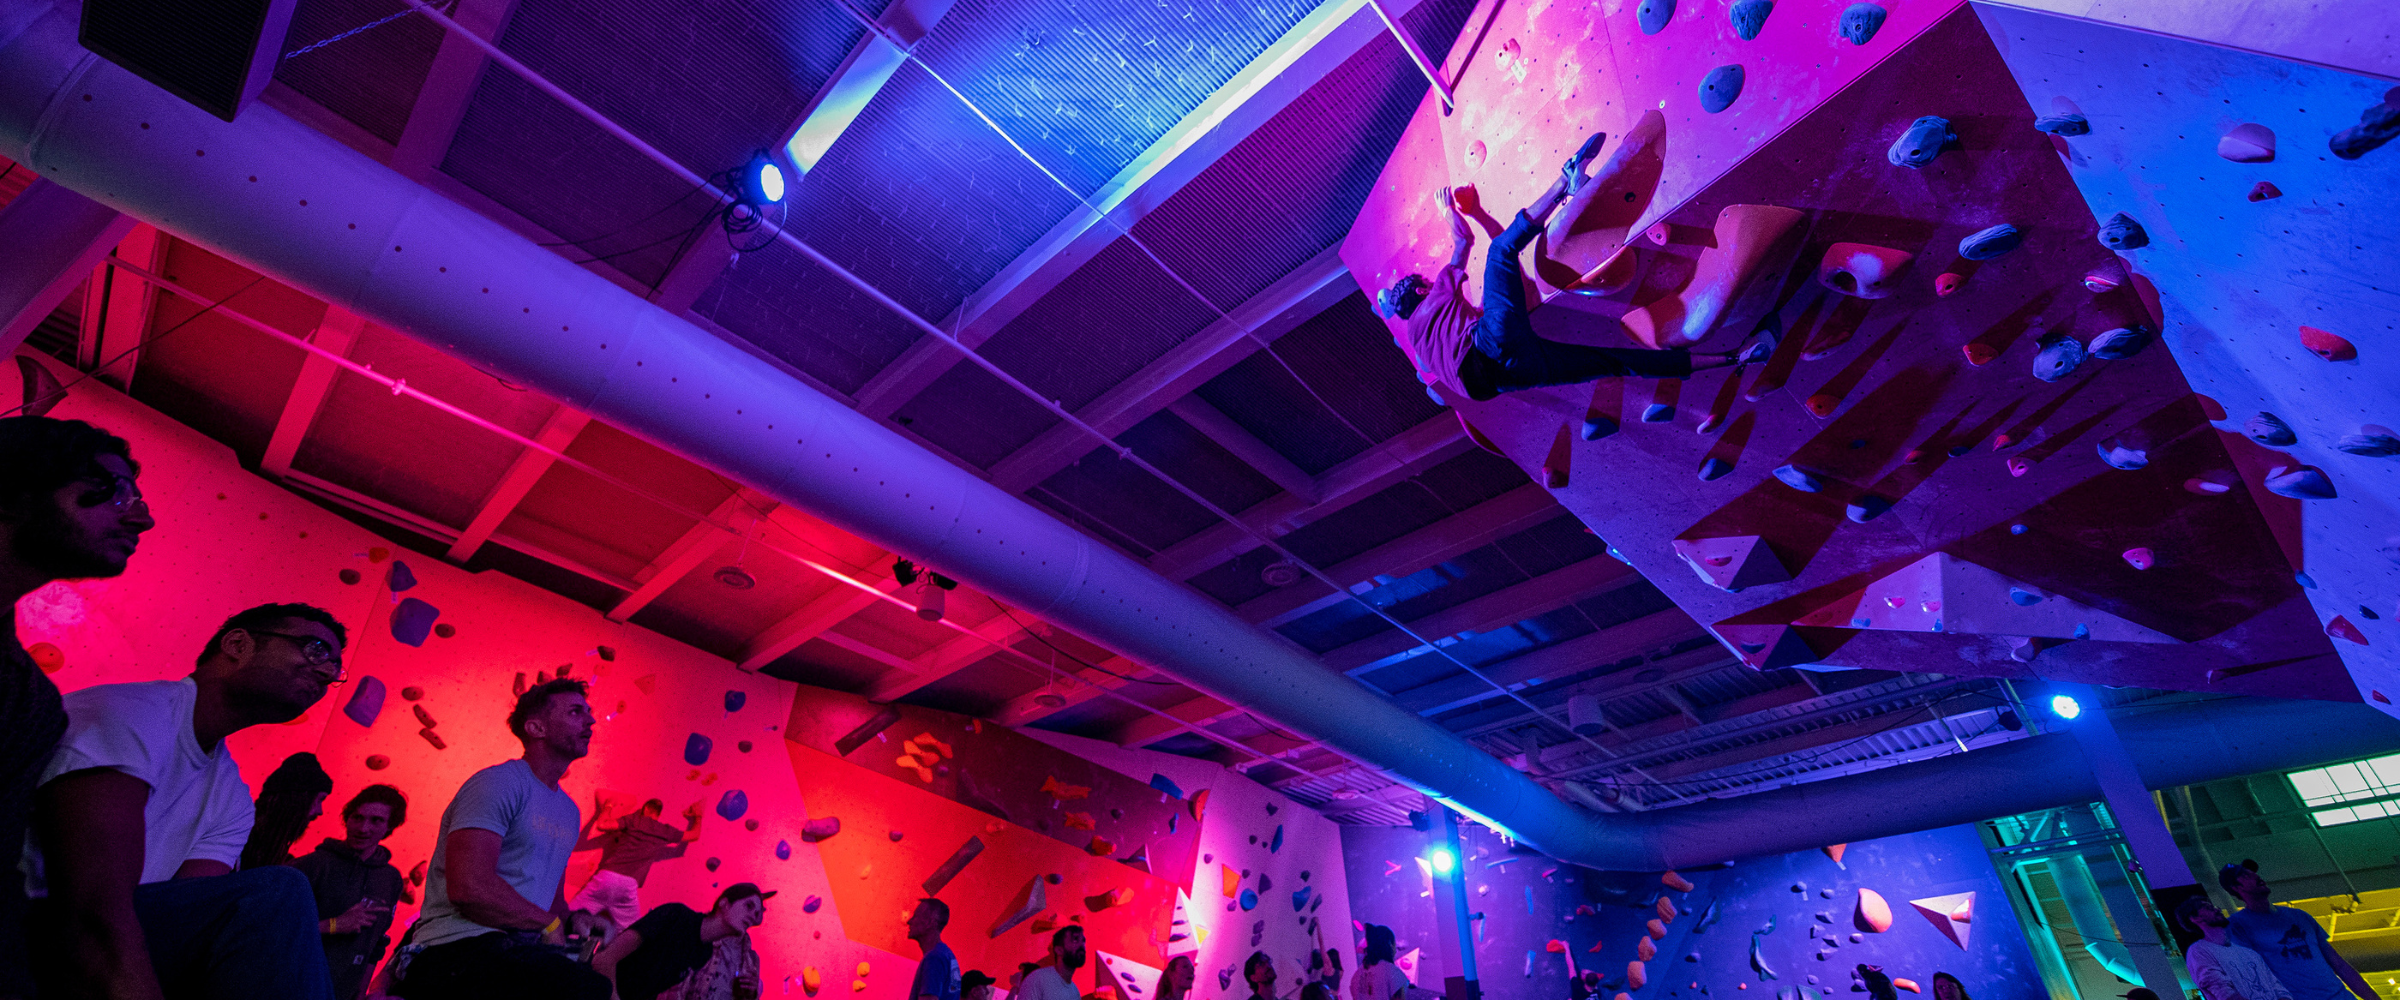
(1066, 416)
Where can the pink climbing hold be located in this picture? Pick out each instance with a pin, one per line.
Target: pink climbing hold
(2018, 467)
(2248, 142)
(1862, 270)
(1978, 353)
(1947, 282)
(2340, 628)
(2330, 346)
(2140, 558)
(2264, 190)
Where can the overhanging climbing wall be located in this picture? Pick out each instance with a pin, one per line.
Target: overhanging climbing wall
(2090, 520)
(2258, 232)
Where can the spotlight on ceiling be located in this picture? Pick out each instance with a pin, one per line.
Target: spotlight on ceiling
(736, 577)
(761, 180)
(2065, 706)
(1282, 573)
(1441, 859)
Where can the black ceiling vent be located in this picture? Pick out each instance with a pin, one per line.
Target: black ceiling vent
(218, 55)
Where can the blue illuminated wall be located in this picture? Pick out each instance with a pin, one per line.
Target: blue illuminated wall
(1527, 900)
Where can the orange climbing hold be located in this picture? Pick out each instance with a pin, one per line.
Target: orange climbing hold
(1907, 984)
(1556, 947)
(1233, 881)
(1835, 852)
(1873, 914)
(1666, 909)
(1062, 791)
(1676, 882)
(1978, 353)
(1657, 929)
(1645, 949)
(1636, 976)
(2331, 347)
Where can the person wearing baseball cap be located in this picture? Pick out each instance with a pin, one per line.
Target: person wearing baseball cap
(2222, 969)
(671, 941)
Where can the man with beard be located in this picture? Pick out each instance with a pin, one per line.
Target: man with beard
(496, 923)
(2222, 969)
(141, 816)
(68, 510)
(2291, 942)
(1055, 980)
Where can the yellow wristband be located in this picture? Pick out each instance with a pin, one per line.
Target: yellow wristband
(553, 926)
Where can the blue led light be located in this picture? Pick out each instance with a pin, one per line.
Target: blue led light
(762, 181)
(2065, 707)
(1441, 859)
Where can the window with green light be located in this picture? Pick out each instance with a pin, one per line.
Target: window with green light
(2349, 793)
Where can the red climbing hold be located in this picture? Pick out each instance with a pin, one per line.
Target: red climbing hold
(1978, 353)
(1823, 405)
(2331, 347)
(2379, 697)
(1947, 282)
(377, 762)
(2340, 628)
(2262, 191)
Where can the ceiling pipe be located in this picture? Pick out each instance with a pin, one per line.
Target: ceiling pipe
(299, 206)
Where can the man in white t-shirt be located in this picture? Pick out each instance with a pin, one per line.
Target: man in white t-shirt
(141, 816)
(496, 923)
(1055, 980)
(2222, 969)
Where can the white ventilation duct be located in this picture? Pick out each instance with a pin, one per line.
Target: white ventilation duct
(294, 204)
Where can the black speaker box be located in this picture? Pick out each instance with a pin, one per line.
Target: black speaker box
(217, 54)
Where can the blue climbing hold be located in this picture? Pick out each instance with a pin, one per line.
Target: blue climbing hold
(1653, 15)
(734, 700)
(399, 577)
(1276, 844)
(366, 701)
(1921, 143)
(783, 852)
(733, 804)
(696, 748)
(2018, 529)
(2059, 357)
(1720, 88)
(1860, 22)
(1799, 479)
(2068, 124)
(1866, 508)
(2122, 342)
(1985, 244)
(2305, 580)
(1249, 899)
(413, 620)
(1749, 16)
(1595, 428)
(2120, 232)
(1167, 785)
(1713, 468)
(1300, 897)
(2024, 597)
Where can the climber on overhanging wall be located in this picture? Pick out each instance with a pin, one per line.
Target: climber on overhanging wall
(1465, 352)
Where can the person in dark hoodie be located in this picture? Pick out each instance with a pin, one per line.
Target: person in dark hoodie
(356, 887)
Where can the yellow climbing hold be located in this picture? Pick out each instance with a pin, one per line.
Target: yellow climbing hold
(863, 970)
(810, 980)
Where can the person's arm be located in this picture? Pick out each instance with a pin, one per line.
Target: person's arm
(1462, 236)
(605, 963)
(589, 839)
(471, 870)
(2208, 973)
(91, 829)
(202, 868)
(691, 823)
(2342, 967)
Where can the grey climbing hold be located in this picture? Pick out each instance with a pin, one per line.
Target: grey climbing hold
(1653, 15)
(1595, 428)
(1989, 243)
(2376, 125)
(1720, 87)
(1866, 508)
(1860, 22)
(2059, 357)
(2119, 455)
(1713, 468)
(2120, 343)
(2023, 597)
(2064, 124)
(2372, 442)
(1800, 479)
(1749, 16)
(2270, 430)
(2120, 232)
(1657, 413)
(1922, 141)
(2303, 483)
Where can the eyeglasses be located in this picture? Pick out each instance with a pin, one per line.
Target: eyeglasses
(315, 650)
(119, 493)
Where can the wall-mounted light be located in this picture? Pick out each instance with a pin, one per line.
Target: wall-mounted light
(2065, 706)
(1442, 860)
(925, 588)
(761, 180)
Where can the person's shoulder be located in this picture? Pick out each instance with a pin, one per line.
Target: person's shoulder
(128, 697)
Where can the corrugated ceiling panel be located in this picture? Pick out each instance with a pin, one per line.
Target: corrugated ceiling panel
(1114, 315)
(1434, 589)
(826, 665)
(1259, 394)
(1225, 234)
(1347, 356)
(1624, 604)
(370, 78)
(1198, 462)
(1405, 506)
(1558, 542)
(974, 416)
(788, 306)
(1135, 505)
(1088, 87)
(1236, 580)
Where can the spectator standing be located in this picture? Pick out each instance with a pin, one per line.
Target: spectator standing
(2222, 969)
(1055, 979)
(2293, 944)
(356, 887)
(937, 975)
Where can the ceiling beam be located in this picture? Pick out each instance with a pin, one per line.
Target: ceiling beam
(897, 662)
(686, 554)
(449, 87)
(1606, 646)
(54, 236)
(1498, 609)
(810, 621)
(1214, 425)
(1517, 510)
(998, 634)
(1496, 714)
(1087, 683)
(117, 308)
(336, 333)
(531, 463)
(1294, 299)
(1431, 443)
(1273, 81)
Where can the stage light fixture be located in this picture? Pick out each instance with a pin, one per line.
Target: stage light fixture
(762, 180)
(2065, 707)
(1441, 859)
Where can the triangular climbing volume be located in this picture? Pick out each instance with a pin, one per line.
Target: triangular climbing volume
(1953, 915)
(1943, 593)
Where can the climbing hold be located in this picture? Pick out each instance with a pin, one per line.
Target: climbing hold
(895, 835)
(1862, 270)
(433, 738)
(1948, 282)
(2059, 357)
(1676, 882)
(377, 762)
(1860, 22)
(2270, 430)
(1636, 975)
(1301, 896)
(1866, 508)
(2303, 483)
(1275, 843)
(695, 749)
(350, 576)
(2102, 280)
(2140, 558)
(734, 700)
(1249, 899)
(445, 630)
(1822, 405)
(1872, 914)
(2209, 484)
(366, 700)
(1199, 803)
(1645, 949)
(1979, 353)
(2018, 529)
(743, 746)
(2023, 597)
(732, 804)
(1595, 428)
(2371, 442)
(2248, 142)
(810, 979)
(2377, 125)
(399, 577)
(2120, 232)
(1749, 16)
(2331, 347)
(2067, 124)
(2018, 466)
(1167, 785)
(1799, 479)
(1921, 142)
(783, 852)
(2120, 343)
(2120, 455)
(1985, 244)
(412, 620)
(1720, 88)
(1653, 15)
(1657, 413)
(818, 829)
(2262, 191)
(1712, 468)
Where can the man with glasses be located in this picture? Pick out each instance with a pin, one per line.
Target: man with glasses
(141, 816)
(68, 510)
